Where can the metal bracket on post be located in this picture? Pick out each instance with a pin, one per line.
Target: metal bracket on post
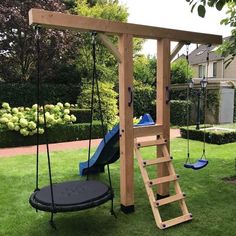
(168, 94)
(131, 96)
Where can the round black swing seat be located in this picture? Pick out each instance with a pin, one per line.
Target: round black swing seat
(71, 196)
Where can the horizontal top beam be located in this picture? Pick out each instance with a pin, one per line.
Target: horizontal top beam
(66, 21)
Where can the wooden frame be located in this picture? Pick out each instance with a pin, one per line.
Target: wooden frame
(126, 32)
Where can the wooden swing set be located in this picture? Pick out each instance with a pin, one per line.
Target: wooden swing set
(129, 135)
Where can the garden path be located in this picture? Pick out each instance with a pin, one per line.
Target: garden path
(8, 152)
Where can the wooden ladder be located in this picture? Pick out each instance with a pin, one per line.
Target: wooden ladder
(150, 183)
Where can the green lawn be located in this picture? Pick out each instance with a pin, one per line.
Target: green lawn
(209, 198)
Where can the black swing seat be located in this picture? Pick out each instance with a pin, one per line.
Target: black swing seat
(71, 196)
(201, 163)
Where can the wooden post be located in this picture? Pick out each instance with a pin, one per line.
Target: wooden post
(162, 107)
(126, 123)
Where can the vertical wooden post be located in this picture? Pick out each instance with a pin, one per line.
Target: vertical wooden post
(162, 107)
(126, 123)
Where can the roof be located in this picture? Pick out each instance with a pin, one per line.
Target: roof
(199, 55)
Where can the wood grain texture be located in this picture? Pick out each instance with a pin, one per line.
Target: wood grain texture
(66, 21)
(126, 121)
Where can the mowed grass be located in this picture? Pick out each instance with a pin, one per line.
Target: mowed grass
(209, 198)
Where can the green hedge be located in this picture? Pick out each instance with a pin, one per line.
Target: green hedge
(82, 115)
(24, 94)
(144, 99)
(178, 112)
(211, 137)
(62, 133)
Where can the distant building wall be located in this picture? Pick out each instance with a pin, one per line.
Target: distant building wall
(230, 71)
(219, 73)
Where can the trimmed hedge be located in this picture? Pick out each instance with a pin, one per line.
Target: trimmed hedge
(24, 94)
(57, 134)
(178, 112)
(211, 136)
(82, 115)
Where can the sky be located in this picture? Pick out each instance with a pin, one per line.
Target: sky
(174, 14)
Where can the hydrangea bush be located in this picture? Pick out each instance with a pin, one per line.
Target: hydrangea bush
(24, 119)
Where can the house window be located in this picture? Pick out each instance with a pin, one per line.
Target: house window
(201, 71)
(214, 69)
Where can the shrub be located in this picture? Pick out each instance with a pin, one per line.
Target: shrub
(144, 99)
(178, 112)
(108, 102)
(60, 133)
(24, 94)
(180, 71)
(24, 119)
(210, 136)
(82, 115)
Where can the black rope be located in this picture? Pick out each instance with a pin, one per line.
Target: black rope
(91, 106)
(205, 105)
(45, 126)
(95, 82)
(187, 109)
(37, 37)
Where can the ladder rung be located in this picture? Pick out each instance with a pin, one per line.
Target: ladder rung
(177, 220)
(162, 180)
(170, 199)
(151, 143)
(155, 161)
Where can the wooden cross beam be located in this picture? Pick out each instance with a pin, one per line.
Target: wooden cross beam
(66, 21)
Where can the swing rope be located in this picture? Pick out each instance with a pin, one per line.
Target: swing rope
(205, 104)
(187, 108)
(38, 38)
(202, 162)
(95, 83)
(72, 195)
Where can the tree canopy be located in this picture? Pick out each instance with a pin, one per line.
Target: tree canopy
(17, 44)
(65, 55)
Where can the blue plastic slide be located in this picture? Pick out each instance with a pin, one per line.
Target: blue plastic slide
(108, 150)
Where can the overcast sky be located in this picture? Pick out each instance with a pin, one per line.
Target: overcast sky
(173, 14)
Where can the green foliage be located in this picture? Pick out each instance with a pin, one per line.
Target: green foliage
(108, 9)
(24, 119)
(181, 72)
(107, 67)
(213, 100)
(202, 4)
(144, 99)
(82, 115)
(210, 136)
(228, 49)
(57, 134)
(145, 69)
(178, 112)
(24, 94)
(18, 52)
(108, 102)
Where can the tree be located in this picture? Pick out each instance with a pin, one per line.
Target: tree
(181, 72)
(145, 69)
(107, 65)
(17, 41)
(228, 49)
